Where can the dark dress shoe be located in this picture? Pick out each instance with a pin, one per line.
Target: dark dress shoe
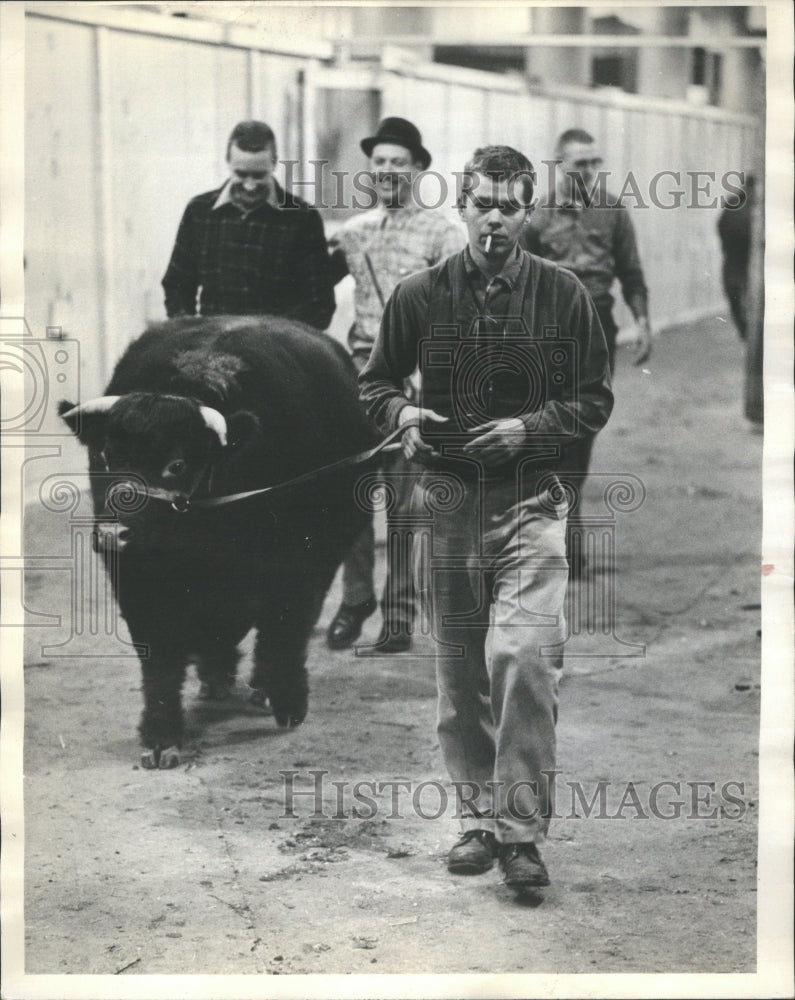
(214, 692)
(473, 854)
(392, 639)
(522, 867)
(346, 626)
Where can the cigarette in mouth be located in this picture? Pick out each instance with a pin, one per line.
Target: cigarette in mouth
(488, 244)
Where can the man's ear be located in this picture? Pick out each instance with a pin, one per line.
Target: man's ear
(241, 428)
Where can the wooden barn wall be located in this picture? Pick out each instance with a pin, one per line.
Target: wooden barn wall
(123, 128)
(63, 224)
(679, 244)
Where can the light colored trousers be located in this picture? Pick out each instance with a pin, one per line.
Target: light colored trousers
(495, 580)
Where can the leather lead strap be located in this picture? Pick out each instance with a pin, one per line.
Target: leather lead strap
(183, 504)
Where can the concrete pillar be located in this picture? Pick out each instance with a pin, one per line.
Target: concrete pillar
(665, 72)
(743, 81)
(557, 65)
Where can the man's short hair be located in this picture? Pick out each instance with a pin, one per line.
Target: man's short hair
(251, 137)
(573, 135)
(501, 163)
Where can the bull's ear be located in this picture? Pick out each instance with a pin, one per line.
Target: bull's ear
(241, 428)
(85, 423)
(68, 411)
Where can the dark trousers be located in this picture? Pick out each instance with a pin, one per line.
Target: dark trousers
(576, 458)
(735, 284)
(398, 601)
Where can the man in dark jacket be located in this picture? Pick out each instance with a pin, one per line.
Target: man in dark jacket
(249, 247)
(734, 229)
(513, 363)
(583, 227)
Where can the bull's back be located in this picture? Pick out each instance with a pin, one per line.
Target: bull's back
(300, 385)
(298, 381)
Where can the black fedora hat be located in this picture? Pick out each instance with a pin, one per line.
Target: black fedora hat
(401, 133)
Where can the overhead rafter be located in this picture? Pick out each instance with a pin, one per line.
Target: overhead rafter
(523, 41)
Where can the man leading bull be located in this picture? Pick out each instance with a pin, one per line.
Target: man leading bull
(514, 364)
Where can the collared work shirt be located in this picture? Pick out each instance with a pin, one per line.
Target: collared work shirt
(225, 198)
(268, 260)
(493, 295)
(596, 242)
(549, 313)
(397, 243)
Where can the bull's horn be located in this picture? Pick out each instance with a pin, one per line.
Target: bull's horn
(215, 421)
(99, 405)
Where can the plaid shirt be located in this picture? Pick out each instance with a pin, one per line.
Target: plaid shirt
(269, 260)
(397, 242)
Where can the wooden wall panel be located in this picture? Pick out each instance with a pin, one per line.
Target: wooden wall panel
(162, 152)
(62, 238)
(277, 99)
(123, 128)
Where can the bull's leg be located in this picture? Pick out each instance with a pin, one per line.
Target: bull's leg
(279, 673)
(284, 627)
(161, 726)
(217, 667)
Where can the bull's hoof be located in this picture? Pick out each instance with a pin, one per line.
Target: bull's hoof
(214, 692)
(156, 759)
(259, 699)
(289, 720)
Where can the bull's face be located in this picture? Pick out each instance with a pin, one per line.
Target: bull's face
(146, 453)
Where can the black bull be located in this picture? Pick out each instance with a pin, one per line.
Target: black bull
(200, 408)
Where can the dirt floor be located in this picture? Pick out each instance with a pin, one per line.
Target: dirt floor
(199, 870)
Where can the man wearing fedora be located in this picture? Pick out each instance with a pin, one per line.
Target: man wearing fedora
(379, 248)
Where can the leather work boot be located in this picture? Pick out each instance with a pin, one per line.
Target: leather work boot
(473, 854)
(346, 626)
(522, 867)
